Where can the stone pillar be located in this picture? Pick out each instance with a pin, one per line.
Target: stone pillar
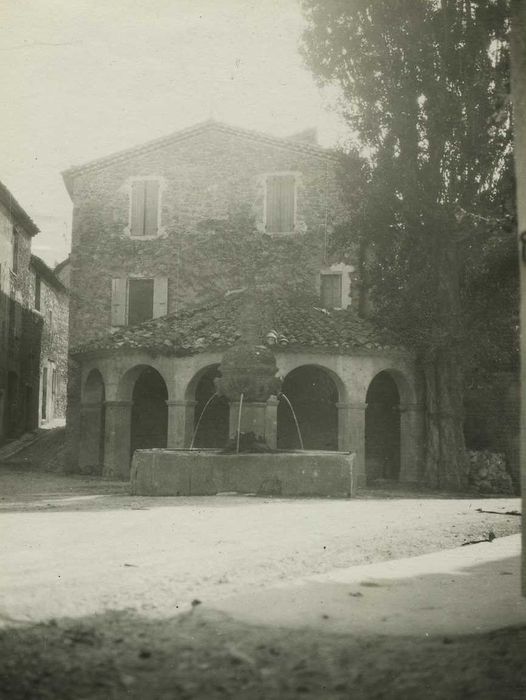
(117, 434)
(271, 422)
(91, 427)
(253, 417)
(411, 441)
(351, 436)
(180, 422)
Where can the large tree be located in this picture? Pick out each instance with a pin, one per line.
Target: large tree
(423, 86)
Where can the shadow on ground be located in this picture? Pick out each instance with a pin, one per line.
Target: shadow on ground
(26, 490)
(209, 655)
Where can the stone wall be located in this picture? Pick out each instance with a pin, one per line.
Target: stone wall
(20, 333)
(492, 420)
(205, 179)
(54, 313)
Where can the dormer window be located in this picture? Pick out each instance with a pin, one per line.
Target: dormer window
(280, 203)
(331, 291)
(335, 286)
(144, 209)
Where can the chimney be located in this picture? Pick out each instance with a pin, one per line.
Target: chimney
(305, 136)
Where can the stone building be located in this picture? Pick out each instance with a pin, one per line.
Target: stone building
(33, 328)
(165, 238)
(51, 302)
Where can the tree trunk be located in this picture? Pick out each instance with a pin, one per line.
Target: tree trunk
(445, 460)
(446, 455)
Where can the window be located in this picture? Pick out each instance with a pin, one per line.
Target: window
(15, 250)
(137, 299)
(331, 291)
(140, 301)
(280, 203)
(43, 405)
(37, 292)
(12, 320)
(144, 212)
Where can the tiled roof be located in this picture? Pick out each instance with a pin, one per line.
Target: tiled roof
(289, 143)
(19, 215)
(299, 324)
(46, 272)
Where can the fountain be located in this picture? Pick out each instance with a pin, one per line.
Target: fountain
(247, 464)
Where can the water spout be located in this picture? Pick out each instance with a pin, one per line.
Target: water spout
(239, 422)
(295, 419)
(200, 417)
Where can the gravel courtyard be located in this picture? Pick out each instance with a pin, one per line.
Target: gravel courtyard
(74, 546)
(97, 590)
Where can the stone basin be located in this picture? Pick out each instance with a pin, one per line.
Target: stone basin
(202, 472)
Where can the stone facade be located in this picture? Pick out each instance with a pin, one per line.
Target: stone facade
(51, 303)
(206, 179)
(32, 342)
(205, 175)
(20, 327)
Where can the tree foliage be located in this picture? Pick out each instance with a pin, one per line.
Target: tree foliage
(424, 86)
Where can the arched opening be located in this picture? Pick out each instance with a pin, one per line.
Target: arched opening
(91, 455)
(313, 394)
(149, 420)
(382, 429)
(213, 427)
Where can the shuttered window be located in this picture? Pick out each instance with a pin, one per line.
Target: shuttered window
(136, 300)
(331, 291)
(144, 208)
(280, 203)
(140, 301)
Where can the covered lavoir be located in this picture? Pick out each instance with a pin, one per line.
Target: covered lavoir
(146, 386)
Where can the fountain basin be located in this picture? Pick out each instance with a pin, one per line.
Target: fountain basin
(200, 472)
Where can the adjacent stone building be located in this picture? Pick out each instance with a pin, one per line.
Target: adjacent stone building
(166, 237)
(51, 301)
(33, 328)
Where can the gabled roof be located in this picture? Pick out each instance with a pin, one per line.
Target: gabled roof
(62, 264)
(46, 273)
(20, 216)
(300, 324)
(291, 143)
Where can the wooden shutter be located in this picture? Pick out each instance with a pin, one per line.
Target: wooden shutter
(331, 291)
(138, 194)
(151, 207)
(286, 210)
(272, 213)
(160, 296)
(280, 203)
(118, 302)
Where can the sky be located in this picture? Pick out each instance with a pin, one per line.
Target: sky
(84, 78)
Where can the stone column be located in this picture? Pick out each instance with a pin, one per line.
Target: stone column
(271, 422)
(91, 426)
(253, 417)
(351, 436)
(411, 441)
(180, 422)
(117, 434)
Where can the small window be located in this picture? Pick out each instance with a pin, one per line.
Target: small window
(331, 291)
(144, 208)
(140, 300)
(16, 244)
(37, 292)
(280, 203)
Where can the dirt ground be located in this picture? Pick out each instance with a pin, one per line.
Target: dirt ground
(94, 581)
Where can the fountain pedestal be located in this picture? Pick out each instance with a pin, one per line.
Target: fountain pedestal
(166, 472)
(253, 420)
